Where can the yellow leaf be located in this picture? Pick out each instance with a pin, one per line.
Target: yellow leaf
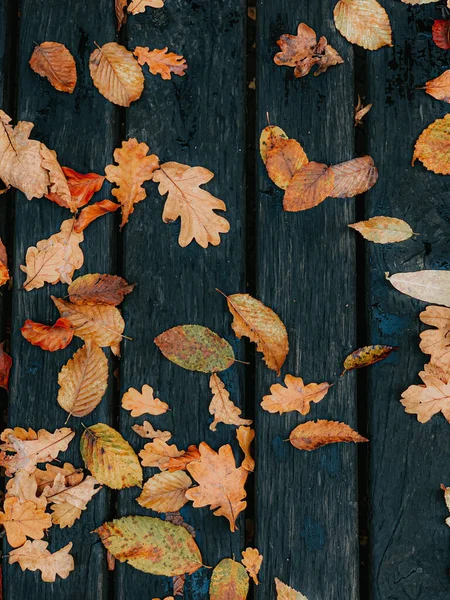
(65, 514)
(229, 580)
(252, 560)
(23, 519)
(245, 436)
(383, 230)
(432, 146)
(165, 492)
(295, 396)
(429, 286)
(34, 556)
(141, 403)
(363, 22)
(439, 87)
(366, 356)
(158, 454)
(314, 434)
(222, 407)
(284, 592)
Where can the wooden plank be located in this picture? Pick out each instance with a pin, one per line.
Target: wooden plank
(409, 549)
(306, 503)
(82, 129)
(197, 120)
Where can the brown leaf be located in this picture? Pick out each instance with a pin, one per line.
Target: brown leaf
(308, 187)
(439, 87)
(139, 6)
(99, 289)
(363, 22)
(23, 519)
(295, 396)
(361, 111)
(431, 398)
(24, 487)
(53, 61)
(221, 483)
(353, 177)
(48, 337)
(34, 556)
(252, 560)
(116, 74)
(195, 206)
(312, 435)
(245, 436)
(223, 409)
(384, 230)
(302, 51)
(146, 430)
(161, 62)
(82, 186)
(46, 477)
(158, 454)
(121, 15)
(4, 273)
(93, 212)
(436, 342)
(134, 167)
(143, 403)
(78, 495)
(283, 157)
(165, 492)
(431, 147)
(5, 367)
(180, 463)
(366, 356)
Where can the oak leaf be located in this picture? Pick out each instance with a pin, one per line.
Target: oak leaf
(47, 476)
(363, 22)
(309, 186)
(180, 463)
(53, 61)
(34, 556)
(314, 434)
(141, 403)
(439, 87)
(161, 62)
(48, 337)
(134, 167)
(83, 381)
(295, 396)
(245, 437)
(93, 212)
(109, 457)
(23, 519)
(353, 177)
(416, 2)
(428, 285)
(55, 259)
(116, 74)
(221, 483)
(158, 454)
(302, 51)
(101, 324)
(146, 430)
(196, 348)
(151, 545)
(221, 407)
(284, 592)
(139, 6)
(440, 32)
(195, 206)
(432, 146)
(5, 367)
(82, 186)
(65, 514)
(252, 319)
(436, 342)
(384, 230)
(165, 492)
(229, 580)
(78, 495)
(99, 289)
(4, 272)
(366, 356)
(252, 560)
(430, 398)
(283, 157)
(24, 487)
(18, 432)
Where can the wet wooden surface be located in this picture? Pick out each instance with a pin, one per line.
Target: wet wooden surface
(340, 523)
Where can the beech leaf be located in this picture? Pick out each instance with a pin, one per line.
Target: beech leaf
(429, 286)
(432, 146)
(384, 230)
(99, 289)
(284, 592)
(314, 434)
(53, 61)
(161, 62)
(34, 556)
(245, 437)
(252, 560)
(82, 186)
(93, 212)
(309, 186)
(143, 403)
(436, 342)
(353, 177)
(366, 356)
(283, 157)
(363, 22)
(222, 407)
(295, 396)
(229, 580)
(439, 87)
(48, 337)
(165, 492)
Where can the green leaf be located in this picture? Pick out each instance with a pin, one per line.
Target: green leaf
(229, 581)
(109, 457)
(151, 545)
(196, 348)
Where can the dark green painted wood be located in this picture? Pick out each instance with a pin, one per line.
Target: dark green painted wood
(198, 119)
(82, 128)
(408, 537)
(306, 503)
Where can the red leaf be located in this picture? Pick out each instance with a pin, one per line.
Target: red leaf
(90, 213)
(5, 367)
(48, 337)
(441, 34)
(82, 187)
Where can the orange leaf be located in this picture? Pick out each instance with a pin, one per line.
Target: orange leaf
(180, 463)
(432, 146)
(245, 436)
(82, 187)
(439, 87)
(143, 403)
(312, 435)
(295, 396)
(363, 22)
(24, 487)
(221, 483)
(48, 337)
(222, 407)
(139, 6)
(93, 212)
(361, 111)
(252, 560)
(431, 398)
(165, 492)
(436, 342)
(4, 273)
(302, 51)
(5, 367)
(23, 519)
(99, 289)
(134, 167)
(34, 556)
(353, 177)
(53, 61)
(308, 187)
(284, 592)
(161, 62)
(146, 430)
(121, 15)
(158, 454)
(283, 157)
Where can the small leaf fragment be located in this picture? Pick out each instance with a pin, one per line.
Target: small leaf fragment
(314, 434)
(284, 592)
(245, 437)
(384, 230)
(146, 430)
(229, 580)
(5, 367)
(436, 342)
(4, 272)
(440, 32)
(143, 403)
(366, 356)
(138, 6)
(252, 560)
(93, 212)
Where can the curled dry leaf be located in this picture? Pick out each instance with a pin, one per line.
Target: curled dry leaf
(353, 177)
(5, 367)
(93, 212)
(221, 483)
(284, 592)
(109, 457)
(4, 273)
(436, 342)
(363, 22)
(161, 62)
(134, 540)
(245, 437)
(141, 403)
(83, 381)
(34, 556)
(430, 398)
(221, 407)
(158, 454)
(78, 495)
(432, 146)
(180, 463)
(82, 186)
(361, 111)
(440, 32)
(146, 430)
(23, 519)
(283, 157)
(229, 580)
(165, 492)
(252, 560)
(99, 289)
(196, 348)
(55, 259)
(121, 15)
(366, 356)
(312, 435)
(384, 230)
(139, 6)
(295, 396)
(308, 187)
(429, 286)
(53, 61)
(195, 206)
(302, 51)
(134, 167)
(116, 74)
(439, 87)
(258, 322)
(48, 337)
